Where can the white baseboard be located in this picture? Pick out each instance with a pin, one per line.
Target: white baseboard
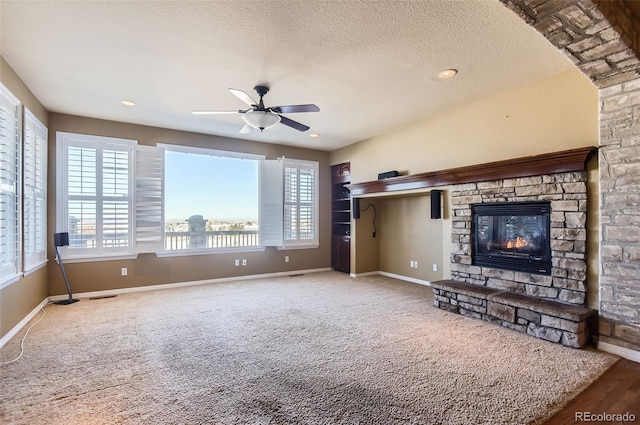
(393, 275)
(112, 292)
(14, 331)
(406, 278)
(376, 273)
(627, 353)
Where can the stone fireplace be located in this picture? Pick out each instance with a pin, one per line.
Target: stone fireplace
(538, 285)
(566, 194)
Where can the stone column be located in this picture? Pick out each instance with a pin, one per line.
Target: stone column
(619, 158)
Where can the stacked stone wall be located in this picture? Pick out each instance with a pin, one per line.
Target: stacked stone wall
(602, 39)
(567, 193)
(619, 158)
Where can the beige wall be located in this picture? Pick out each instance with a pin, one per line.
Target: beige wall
(407, 233)
(20, 298)
(148, 269)
(550, 115)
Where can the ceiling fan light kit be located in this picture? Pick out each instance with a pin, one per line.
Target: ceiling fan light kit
(260, 117)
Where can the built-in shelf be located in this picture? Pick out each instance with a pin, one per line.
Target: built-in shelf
(557, 162)
(341, 218)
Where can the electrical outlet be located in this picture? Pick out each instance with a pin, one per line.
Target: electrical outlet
(286, 258)
(415, 263)
(237, 262)
(244, 261)
(123, 271)
(435, 267)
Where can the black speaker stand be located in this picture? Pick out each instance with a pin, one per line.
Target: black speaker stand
(66, 282)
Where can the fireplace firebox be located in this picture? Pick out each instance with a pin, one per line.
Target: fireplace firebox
(512, 236)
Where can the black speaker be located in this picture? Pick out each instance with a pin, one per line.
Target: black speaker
(388, 174)
(436, 203)
(355, 208)
(61, 239)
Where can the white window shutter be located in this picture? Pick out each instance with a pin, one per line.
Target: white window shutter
(300, 203)
(270, 210)
(9, 186)
(34, 191)
(149, 199)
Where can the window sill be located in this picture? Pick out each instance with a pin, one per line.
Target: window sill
(188, 252)
(10, 281)
(35, 267)
(69, 260)
(288, 247)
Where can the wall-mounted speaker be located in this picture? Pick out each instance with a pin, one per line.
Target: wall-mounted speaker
(355, 208)
(436, 204)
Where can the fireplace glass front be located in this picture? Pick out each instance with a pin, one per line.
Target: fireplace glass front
(512, 236)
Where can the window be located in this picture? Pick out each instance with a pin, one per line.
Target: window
(34, 192)
(289, 204)
(300, 203)
(96, 195)
(211, 199)
(9, 187)
(117, 199)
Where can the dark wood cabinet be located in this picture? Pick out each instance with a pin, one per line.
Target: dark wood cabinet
(341, 253)
(341, 218)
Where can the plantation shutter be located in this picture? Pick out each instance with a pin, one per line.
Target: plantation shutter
(9, 186)
(270, 209)
(95, 194)
(35, 191)
(300, 202)
(149, 199)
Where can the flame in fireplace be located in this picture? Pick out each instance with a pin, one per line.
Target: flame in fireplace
(519, 243)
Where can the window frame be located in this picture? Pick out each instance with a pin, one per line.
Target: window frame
(15, 228)
(35, 143)
(272, 204)
(64, 140)
(208, 152)
(298, 242)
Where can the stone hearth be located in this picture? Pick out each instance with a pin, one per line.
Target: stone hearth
(569, 325)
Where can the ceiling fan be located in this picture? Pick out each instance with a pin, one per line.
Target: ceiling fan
(260, 117)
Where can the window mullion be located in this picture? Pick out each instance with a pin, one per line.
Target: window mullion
(99, 199)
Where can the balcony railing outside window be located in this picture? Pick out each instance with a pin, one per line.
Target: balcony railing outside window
(214, 239)
(179, 240)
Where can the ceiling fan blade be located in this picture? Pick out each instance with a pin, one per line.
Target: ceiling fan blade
(293, 124)
(239, 111)
(288, 109)
(243, 97)
(246, 129)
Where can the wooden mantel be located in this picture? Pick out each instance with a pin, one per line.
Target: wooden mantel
(535, 165)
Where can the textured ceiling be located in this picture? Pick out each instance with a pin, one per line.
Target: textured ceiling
(369, 65)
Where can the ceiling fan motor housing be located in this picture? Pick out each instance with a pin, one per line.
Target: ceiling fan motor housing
(261, 90)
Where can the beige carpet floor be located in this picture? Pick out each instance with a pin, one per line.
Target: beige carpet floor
(316, 349)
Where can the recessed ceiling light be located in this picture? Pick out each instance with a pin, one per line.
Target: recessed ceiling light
(314, 135)
(128, 102)
(447, 73)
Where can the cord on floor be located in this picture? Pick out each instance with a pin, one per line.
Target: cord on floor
(44, 312)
